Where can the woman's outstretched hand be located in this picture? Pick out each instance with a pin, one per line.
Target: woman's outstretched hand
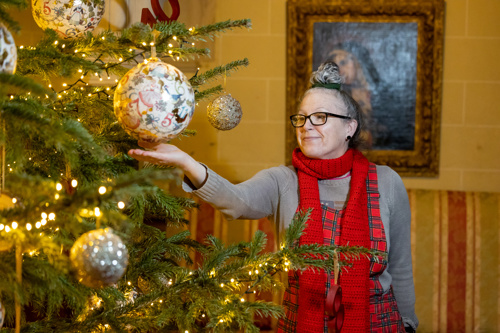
(166, 154)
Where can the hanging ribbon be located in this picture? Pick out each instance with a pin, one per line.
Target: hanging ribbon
(148, 18)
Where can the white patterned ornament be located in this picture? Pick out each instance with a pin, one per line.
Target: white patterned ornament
(224, 112)
(154, 101)
(2, 314)
(8, 51)
(69, 18)
(99, 258)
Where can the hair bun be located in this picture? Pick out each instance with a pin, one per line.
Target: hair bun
(328, 72)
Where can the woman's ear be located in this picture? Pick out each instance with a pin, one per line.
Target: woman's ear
(351, 127)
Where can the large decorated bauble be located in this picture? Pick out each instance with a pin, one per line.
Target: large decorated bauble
(69, 18)
(154, 101)
(99, 258)
(224, 112)
(8, 51)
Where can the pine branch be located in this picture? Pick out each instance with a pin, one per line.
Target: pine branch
(217, 72)
(6, 18)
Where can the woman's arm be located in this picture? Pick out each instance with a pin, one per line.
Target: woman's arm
(400, 259)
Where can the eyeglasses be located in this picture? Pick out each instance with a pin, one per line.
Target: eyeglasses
(316, 118)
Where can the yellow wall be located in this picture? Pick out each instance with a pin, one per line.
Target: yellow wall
(470, 125)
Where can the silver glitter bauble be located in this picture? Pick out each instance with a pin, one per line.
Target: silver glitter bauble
(224, 112)
(99, 258)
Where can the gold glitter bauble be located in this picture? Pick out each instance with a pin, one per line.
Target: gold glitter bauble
(99, 258)
(224, 112)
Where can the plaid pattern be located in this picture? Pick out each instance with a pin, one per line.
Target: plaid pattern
(384, 314)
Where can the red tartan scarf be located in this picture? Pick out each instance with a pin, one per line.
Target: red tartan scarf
(355, 231)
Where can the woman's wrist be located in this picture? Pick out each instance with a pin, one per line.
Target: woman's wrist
(196, 172)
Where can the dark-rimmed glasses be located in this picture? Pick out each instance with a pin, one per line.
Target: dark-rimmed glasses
(316, 118)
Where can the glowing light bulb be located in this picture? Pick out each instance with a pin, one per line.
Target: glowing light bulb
(97, 211)
(28, 226)
(44, 215)
(52, 217)
(2, 226)
(14, 200)
(14, 225)
(242, 300)
(102, 190)
(120, 59)
(58, 187)
(7, 228)
(121, 205)
(74, 183)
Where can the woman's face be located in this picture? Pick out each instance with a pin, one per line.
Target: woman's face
(326, 141)
(347, 67)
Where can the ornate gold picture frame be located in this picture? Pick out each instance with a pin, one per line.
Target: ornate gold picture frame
(391, 56)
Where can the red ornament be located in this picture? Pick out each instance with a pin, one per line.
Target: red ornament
(148, 18)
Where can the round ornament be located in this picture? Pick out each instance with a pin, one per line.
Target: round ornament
(154, 101)
(8, 51)
(99, 258)
(224, 112)
(2, 314)
(69, 18)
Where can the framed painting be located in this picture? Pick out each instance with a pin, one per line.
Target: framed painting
(390, 54)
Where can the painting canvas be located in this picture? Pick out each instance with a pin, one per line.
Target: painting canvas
(379, 66)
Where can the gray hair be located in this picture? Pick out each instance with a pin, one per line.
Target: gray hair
(329, 73)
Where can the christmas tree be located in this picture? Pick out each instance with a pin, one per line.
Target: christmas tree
(77, 251)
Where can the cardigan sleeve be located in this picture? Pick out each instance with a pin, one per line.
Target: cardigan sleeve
(255, 198)
(400, 260)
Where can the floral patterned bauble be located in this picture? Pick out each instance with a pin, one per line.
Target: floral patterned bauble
(154, 101)
(69, 18)
(8, 51)
(99, 258)
(224, 112)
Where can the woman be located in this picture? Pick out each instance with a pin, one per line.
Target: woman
(354, 202)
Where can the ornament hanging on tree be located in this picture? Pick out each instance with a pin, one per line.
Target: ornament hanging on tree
(99, 258)
(69, 18)
(2, 314)
(224, 112)
(8, 51)
(154, 101)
